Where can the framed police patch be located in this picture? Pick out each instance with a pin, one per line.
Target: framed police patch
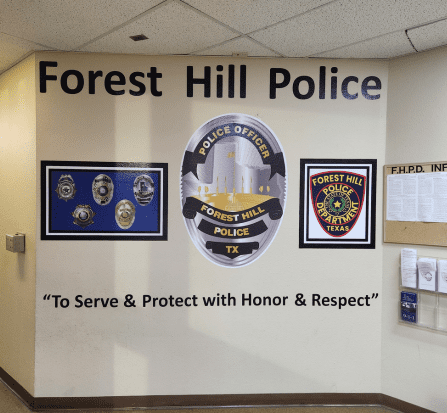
(338, 203)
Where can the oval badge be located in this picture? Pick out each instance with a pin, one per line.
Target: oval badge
(233, 188)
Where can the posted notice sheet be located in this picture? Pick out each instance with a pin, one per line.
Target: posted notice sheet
(427, 274)
(417, 197)
(408, 260)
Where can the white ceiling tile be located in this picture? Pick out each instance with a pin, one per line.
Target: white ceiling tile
(249, 15)
(13, 49)
(330, 28)
(172, 29)
(430, 36)
(383, 47)
(345, 22)
(65, 25)
(239, 45)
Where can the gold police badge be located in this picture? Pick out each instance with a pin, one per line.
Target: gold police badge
(125, 214)
(83, 216)
(233, 189)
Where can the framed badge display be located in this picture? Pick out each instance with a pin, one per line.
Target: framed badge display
(338, 203)
(104, 201)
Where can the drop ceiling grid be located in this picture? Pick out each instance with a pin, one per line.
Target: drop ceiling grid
(65, 24)
(382, 47)
(280, 28)
(250, 15)
(430, 36)
(13, 49)
(239, 45)
(171, 29)
(346, 22)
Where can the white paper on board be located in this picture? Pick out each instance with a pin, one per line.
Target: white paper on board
(402, 197)
(408, 259)
(417, 197)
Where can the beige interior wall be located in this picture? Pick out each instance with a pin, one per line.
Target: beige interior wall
(414, 361)
(18, 214)
(114, 352)
(103, 353)
(140, 353)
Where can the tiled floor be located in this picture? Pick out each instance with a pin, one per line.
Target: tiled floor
(9, 403)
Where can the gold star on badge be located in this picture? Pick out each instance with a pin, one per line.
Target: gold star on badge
(337, 204)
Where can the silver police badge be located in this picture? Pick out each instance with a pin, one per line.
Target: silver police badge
(102, 189)
(233, 189)
(66, 188)
(143, 189)
(83, 216)
(125, 214)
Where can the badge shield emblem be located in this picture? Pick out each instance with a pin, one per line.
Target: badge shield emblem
(102, 189)
(233, 189)
(66, 188)
(125, 214)
(83, 216)
(337, 200)
(143, 189)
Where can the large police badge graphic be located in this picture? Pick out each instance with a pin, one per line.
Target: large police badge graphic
(337, 199)
(233, 189)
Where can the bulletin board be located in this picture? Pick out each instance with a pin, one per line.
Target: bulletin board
(412, 232)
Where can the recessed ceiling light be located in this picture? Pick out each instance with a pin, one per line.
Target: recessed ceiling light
(139, 37)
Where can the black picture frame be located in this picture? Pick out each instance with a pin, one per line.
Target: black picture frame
(307, 237)
(47, 233)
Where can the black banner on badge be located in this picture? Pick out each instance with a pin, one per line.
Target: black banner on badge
(232, 250)
(194, 205)
(232, 232)
(268, 156)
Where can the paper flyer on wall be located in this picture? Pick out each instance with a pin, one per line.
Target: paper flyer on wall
(408, 260)
(427, 274)
(417, 197)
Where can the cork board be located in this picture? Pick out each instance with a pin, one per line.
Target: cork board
(406, 232)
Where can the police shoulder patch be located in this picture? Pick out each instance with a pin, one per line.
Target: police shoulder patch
(233, 189)
(337, 199)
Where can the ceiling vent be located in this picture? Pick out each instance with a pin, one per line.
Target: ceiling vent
(139, 37)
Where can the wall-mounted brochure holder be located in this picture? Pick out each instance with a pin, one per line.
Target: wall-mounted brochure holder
(423, 291)
(104, 201)
(415, 204)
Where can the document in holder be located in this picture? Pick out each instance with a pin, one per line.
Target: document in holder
(427, 274)
(408, 259)
(442, 276)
